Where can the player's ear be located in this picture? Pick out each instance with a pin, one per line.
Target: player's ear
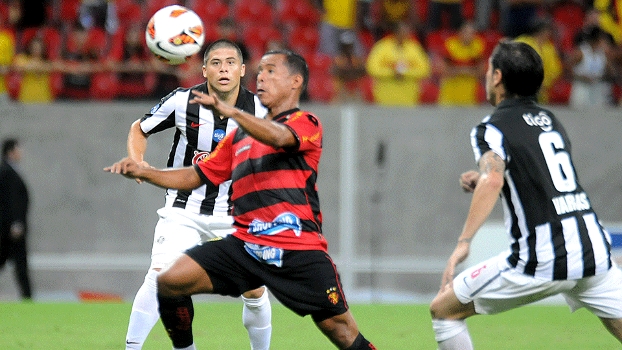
(242, 70)
(204, 72)
(496, 77)
(297, 81)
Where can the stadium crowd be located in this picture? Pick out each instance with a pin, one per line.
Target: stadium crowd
(356, 49)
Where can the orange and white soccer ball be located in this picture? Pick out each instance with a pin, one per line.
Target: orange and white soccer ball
(175, 33)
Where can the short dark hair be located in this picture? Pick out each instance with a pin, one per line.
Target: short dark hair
(295, 64)
(8, 145)
(521, 68)
(222, 43)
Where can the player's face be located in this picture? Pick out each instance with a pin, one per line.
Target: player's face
(274, 81)
(223, 70)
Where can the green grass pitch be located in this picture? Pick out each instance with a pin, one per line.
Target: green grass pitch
(56, 326)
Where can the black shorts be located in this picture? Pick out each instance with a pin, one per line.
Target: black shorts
(307, 282)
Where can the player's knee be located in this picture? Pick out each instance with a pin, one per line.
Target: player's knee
(258, 293)
(169, 285)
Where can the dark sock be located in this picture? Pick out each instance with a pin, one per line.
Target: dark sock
(360, 343)
(176, 314)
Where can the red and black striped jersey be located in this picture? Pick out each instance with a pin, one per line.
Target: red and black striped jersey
(197, 132)
(274, 191)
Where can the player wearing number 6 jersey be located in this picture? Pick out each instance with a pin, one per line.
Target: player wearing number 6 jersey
(557, 244)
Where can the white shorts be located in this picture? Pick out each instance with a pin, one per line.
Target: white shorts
(178, 230)
(493, 286)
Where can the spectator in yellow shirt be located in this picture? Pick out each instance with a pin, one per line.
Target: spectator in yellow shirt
(540, 39)
(7, 51)
(462, 68)
(397, 63)
(36, 73)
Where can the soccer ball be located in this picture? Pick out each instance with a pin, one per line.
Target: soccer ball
(175, 33)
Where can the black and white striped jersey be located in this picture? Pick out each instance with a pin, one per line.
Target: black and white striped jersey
(554, 232)
(197, 132)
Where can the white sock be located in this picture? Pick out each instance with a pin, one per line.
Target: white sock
(257, 318)
(191, 347)
(144, 313)
(452, 335)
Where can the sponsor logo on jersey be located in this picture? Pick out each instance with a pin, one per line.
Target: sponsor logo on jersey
(333, 296)
(283, 222)
(541, 120)
(199, 156)
(155, 108)
(195, 125)
(219, 134)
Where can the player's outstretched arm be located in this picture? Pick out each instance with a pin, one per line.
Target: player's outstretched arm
(180, 178)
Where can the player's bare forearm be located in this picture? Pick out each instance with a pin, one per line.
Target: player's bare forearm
(178, 178)
(264, 130)
(485, 194)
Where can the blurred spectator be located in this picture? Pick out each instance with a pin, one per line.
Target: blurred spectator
(591, 71)
(462, 67)
(99, 13)
(483, 13)
(591, 19)
(132, 62)
(348, 71)
(31, 13)
(387, 13)
(7, 51)
(540, 38)
(518, 16)
(339, 16)
(35, 70)
(439, 8)
(397, 63)
(80, 60)
(610, 17)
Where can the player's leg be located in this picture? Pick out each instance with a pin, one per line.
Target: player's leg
(22, 274)
(176, 284)
(614, 326)
(601, 295)
(173, 234)
(257, 318)
(448, 320)
(256, 311)
(144, 314)
(343, 332)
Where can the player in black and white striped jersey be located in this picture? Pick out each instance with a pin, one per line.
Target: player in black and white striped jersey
(557, 244)
(191, 217)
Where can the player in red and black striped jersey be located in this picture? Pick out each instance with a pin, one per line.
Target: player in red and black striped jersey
(190, 217)
(278, 242)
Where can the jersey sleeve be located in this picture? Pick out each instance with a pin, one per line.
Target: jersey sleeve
(307, 129)
(162, 115)
(216, 168)
(486, 137)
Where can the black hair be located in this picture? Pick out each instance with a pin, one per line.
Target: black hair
(222, 43)
(8, 145)
(521, 68)
(296, 64)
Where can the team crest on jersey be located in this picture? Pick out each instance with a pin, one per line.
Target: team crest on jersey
(219, 134)
(333, 296)
(199, 156)
(283, 222)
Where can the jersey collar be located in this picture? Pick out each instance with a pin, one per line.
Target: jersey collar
(282, 117)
